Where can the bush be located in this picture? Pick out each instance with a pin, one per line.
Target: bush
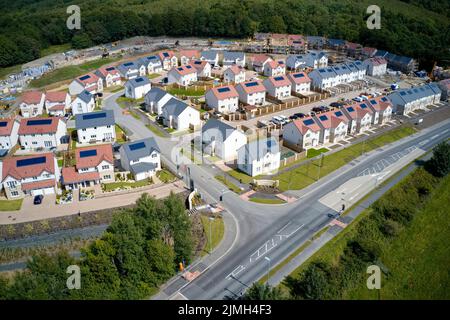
(391, 228)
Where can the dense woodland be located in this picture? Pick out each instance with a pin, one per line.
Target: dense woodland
(28, 26)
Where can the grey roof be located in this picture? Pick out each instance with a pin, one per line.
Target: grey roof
(94, 119)
(336, 42)
(85, 96)
(138, 82)
(147, 60)
(125, 67)
(174, 107)
(233, 55)
(315, 40)
(209, 55)
(225, 129)
(142, 167)
(149, 145)
(259, 148)
(324, 73)
(155, 94)
(413, 94)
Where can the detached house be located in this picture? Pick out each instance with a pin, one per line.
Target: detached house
(203, 68)
(95, 127)
(42, 133)
(259, 157)
(222, 140)
(180, 116)
(186, 56)
(168, 60)
(274, 68)
(233, 57)
(333, 128)
(224, 99)
(9, 134)
(89, 82)
(141, 157)
(382, 110)
(57, 103)
(301, 134)
(252, 92)
(211, 56)
(32, 104)
(137, 88)
(110, 76)
(129, 70)
(93, 165)
(300, 82)
(296, 43)
(234, 74)
(83, 103)
(151, 64)
(316, 59)
(184, 75)
(296, 62)
(156, 99)
(278, 87)
(30, 175)
(376, 66)
(259, 61)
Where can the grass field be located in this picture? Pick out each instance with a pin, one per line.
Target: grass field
(5, 71)
(217, 231)
(165, 176)
(69, 72)
(10, 205)
(113, 185)
(120, 134)
(306, 174)
(228, 183)
(186, 92)
(267, 201)
(153, 75)
(155, 130)
(238, 175)
(311, 153)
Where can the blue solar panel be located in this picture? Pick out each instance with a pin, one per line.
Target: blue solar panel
(139, 80)
(197, 62)
(226, 89)
(110, 69)
(373, 102)
(323, 118)
(308, 122)
(336, 68)
(94, 115)
(338, 114)
(278, 78)
(350, 109)
(251, 84)
(88, 153)
(180, 69)
(85, 77)
(415, 90)
(422, 89)
(30, 161)
(137, 146)
(403, 93)
(321, 70)
(409, 92)
(363, 105)
(298, 75)
(128, 64)
(39, 122)
(384, 99)
(188, 67)
(165, 54)
(3, 124)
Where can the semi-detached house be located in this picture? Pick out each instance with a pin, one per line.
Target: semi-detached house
(42, 133)
(89, 82)
(300, 82)
(110, 76)
(32, 104)
(156, 99)
(278, 87)
(224, 99)
(302, 134)
(234, 74)
(141, 157)
(57, 103)
(260, 156)
(252, 92)
(184, 75)
(334, 127)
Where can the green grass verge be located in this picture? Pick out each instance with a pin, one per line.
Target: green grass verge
(311, 153)
(238, 175)
(153, 75)
(217, 231)
(113, 185)
(6, 71)
(10, 205)
(120, 134)
(306, 174)
(231, 186)
(186, 92)
(155, 130)
(267, 201)
(166, 176)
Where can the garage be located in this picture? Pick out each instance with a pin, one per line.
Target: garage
(37, 192)
(49, 190)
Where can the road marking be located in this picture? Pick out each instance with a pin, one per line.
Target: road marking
(235, 272)
(284, 227)
(435, 136)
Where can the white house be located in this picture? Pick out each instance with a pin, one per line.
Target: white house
(137, 88)
(57, 103)
(9, 133)
(110, 76)
(234, 74)
(141, 157)
(83, 103)
(30, 175)
(32, 104)
(224, 99)
(333, 128)
(42, 133)
(90, 82)
(381, 108)
(360, 117)
(278, 87)
(302, 134)
(168, 60)
(300, 82)
(151, 64)
(95, 127)
(233, 57)
(156, 99)
(203, 68)
(274, 68)
(350, 113)
(405, 101)
(259, 61)
(444, 86)
(129, 70)
(186, 56)
(212, 56)
(180, 116)
(324, 78)
(376, 66)
(184, 75)
(93, 165)
(251, 92)
(259, 157)
(296, 61)
(316, 60)
(222, 140)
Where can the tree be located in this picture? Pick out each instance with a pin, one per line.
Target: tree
(313, 284)
(439, 164)
(263, 292)
(81, 41)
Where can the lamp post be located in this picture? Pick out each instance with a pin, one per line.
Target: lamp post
(268, 270)
(211, 219)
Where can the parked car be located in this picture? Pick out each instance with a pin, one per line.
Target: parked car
(284, 119)
(300, 115)
(335, 104)
(38, 199)
(316, 109)
(277, 120)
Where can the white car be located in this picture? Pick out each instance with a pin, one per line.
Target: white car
(284, 119)
(277, 120)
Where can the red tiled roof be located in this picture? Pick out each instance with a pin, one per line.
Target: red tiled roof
(252, 89)
(92, 88)
(38, 184)
(10, 166)
(55, 96)
(104, 153)
(57, 107)
(298, 80)
(92, 78)
(299, 123)
(274, 64)
(236, 69)
(184, 70)
(378, 61)
(352, 45)
(231, 93)
(105, 72)
(27, 128)
(369, 50)
(259, 59)
(280, 83)
(70, 175)
(362, 112)
(6, 130)
(162, 57)
(32, 97)
(336, 121)
(199, 65)
(331, 122)
(296, 40)
(190, 53)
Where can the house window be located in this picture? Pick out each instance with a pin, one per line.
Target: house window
(11, 184)
(105, 167)
(14, 193)
(107, 177)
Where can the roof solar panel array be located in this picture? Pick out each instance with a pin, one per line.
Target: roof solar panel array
(137, 146)
(39, 122)
(88, 153)
(96, 115)
(30, 161)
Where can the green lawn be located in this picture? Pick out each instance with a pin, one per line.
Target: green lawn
(217, 231)
(55, 49)
(186, 92)
(155, 130)
(153, 75)
(137, 184)
(311, 153)
(306, 174)
(60, 162)
(70, 72)
(120, 134)
(165, 176)
(229, 184)
(238, 175)
(267, 201)
(10, 205)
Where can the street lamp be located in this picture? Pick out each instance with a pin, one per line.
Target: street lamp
(268, 270)
(211, 219)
